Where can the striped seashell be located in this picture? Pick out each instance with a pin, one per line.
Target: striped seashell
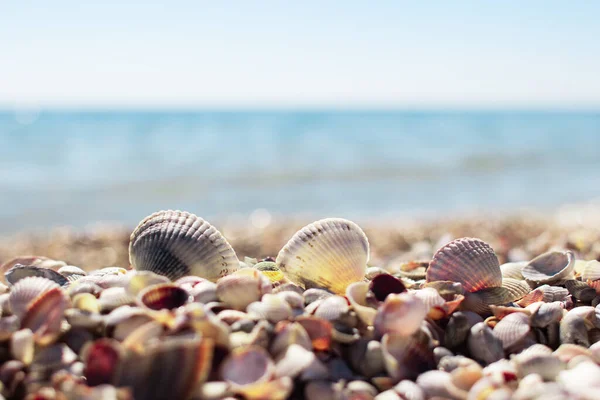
(550, 267)
(170, 369)
(163, 296)
(469, 261)
(580, 290)
(19, 272)
(44, 315)
(332, 308)
(590, 271)
(270, 270)
(547, 313)
(405, 357)
(22, 346)
(113, 298)
(517, 288)
(240, 289)
(513, 270)
(36, 261)
(513, 330)
(331, 253)
(177, 243)
(25, 291)
(554, 293)
(120, 322)
(141, 280)
(480, 301)
(71, 272)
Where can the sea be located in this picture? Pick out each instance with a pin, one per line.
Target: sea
(78, 168)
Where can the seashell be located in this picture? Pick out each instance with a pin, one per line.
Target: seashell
(400, 313)
(458, 328)
(357, 296)
(288, 287)
(385, 284)
(102, 360)
(271, 307)
(214, 391)
(581, 382)
(437, 306)
(239, 290)
(517, 288)
(480, 301)
(512, 270)
(294, 361)
(415, 270)
(332, 308)
(120, 322)
(590, 270)
(319, 331)
(288, 333)
(360, 390)
(483, 345)
(574, 326)
(27, 289)
(108, 271)
(270, 270)
(8, 326)
(36, 261)
(500, 312)
(163, 296)
(71, 272)
(86, 302)
(19, 272)
(170, 369)
(143, 279)
(22, 346)
(44, 315)
(405, 357)
(295, 300)
(409, 390)
(314, 294)
(83, 319)
(242, 379)
(142, 336)
(205, 292)
(115, 297)
(176, 244)
(373, 272)
(83, 287)
(550, 267)
(331, 253)
(580, 290)
(469, 261)
(513, 330)
(204, 323)
(366, 357)
(547, 313)
(554, 293)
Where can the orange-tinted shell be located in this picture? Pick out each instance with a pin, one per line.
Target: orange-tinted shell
(472, 262)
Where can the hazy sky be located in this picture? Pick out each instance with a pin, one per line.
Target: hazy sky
(300, 53)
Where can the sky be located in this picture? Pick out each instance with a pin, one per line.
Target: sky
(254, 54)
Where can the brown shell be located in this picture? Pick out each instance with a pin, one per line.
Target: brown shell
(472, 262)
(163, 296)
(177, 243)
(550, 267)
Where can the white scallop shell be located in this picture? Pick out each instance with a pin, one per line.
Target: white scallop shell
(27, 289)
(177, 243)
(331, 253)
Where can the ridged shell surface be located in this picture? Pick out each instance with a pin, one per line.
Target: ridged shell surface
(177, 243)
(331, 253)
(472, 262)
(26, 290)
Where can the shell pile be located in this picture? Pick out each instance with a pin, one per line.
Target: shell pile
(188, 320)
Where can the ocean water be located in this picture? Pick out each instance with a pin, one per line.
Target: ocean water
(76, 168)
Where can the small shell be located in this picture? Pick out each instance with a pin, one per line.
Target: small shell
(271, 307)
(590, 271)
(319, 331)
(400, 313)
(71, 272)
(245, 368)
(288, 333)
(143, 279)
(270, 270)
(405, 357)
(517, 288)
(385, 284)
(580, 290)
(240, 289)
(102, 360)
(483, 345)
(22, 346)
(550, 267)
(27, 289)
(44, 315)
(124, 320)
(176, 243)
(37, 261)
(366, 357)
(547, 313)
(459, 327)
(19, 272)
(295, 360)
(331, 253)
(512, 330)
(115, 297)
(205, 292)
(512, 270)
(469, 261)
(86, 302)
(332, 308)
(357, 296)
(163, 296)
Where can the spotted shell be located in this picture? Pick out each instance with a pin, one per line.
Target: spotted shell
(177, 243)
(472, 262)
(331, 253)
(550, 267)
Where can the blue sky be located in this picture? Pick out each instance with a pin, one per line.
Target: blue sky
(300, 54)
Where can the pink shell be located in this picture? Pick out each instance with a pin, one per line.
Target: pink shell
(472, 262)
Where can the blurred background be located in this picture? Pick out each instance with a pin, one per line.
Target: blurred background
(258, 111)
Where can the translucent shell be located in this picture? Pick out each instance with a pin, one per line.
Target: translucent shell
(331, 253)
(469, 261)
(27, 289)
(550, 267)
(177, 243)
(590, 271)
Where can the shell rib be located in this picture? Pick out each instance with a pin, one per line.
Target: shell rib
(472, 262)
(331, 253)
(177, 243)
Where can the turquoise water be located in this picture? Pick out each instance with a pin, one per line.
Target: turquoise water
(81, 167)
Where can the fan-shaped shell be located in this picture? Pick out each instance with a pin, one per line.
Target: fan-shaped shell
(44, 315)
(177, 243)
(19, 272)
(590, 271)
(550, 267)
(27, 289)
(512, 329)
(472, 262)
(517, 288)
(331, 253)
